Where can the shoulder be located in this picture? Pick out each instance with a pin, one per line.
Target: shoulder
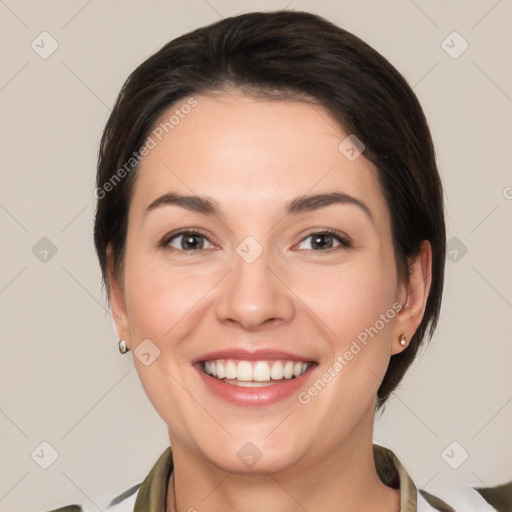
(124, 502)
(458, 498)
(462, 498)
(389, 469)
(152, 488)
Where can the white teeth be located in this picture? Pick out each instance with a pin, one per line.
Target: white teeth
(288, 370)
(244, 371)
(221, 370)
(277, 371)
(261, 372)
(258, 371)
(231, 370)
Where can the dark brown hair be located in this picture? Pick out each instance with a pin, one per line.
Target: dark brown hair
(287, 54)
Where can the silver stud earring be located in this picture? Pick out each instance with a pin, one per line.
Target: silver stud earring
(403, 340)
(122, 347)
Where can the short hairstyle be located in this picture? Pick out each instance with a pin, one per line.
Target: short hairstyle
(287, 55)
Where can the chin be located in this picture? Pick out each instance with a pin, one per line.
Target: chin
(252, 457)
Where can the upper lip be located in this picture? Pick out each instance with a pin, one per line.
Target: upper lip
(262, 354)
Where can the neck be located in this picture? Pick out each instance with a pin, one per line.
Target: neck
(343, 479)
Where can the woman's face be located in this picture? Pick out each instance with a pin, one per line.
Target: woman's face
(261, 281)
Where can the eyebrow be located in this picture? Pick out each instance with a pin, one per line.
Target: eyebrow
(306, 203)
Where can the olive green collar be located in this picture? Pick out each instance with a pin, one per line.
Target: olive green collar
(152, 495)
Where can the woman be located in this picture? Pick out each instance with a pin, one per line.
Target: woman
(271, 235)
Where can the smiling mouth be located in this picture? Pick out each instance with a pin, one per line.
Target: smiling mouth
(254, 373)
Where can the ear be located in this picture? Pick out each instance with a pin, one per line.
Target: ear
(413, 296)
(117, 301)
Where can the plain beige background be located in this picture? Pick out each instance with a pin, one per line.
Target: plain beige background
(63, 380)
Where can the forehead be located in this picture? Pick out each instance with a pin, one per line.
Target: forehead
(247, 152)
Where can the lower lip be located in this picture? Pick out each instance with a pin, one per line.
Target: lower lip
(261, 396)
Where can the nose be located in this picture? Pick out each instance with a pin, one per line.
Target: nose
(255, 295)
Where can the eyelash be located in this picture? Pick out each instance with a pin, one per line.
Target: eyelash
(341, 238)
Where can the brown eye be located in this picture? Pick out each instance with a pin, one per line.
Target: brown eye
(325, 240)
(185, 241)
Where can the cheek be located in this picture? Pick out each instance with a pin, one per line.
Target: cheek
(158, 297)
(160, 303)
(355, 303)
(351, 298)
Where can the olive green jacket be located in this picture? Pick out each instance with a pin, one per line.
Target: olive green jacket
(151, 494)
